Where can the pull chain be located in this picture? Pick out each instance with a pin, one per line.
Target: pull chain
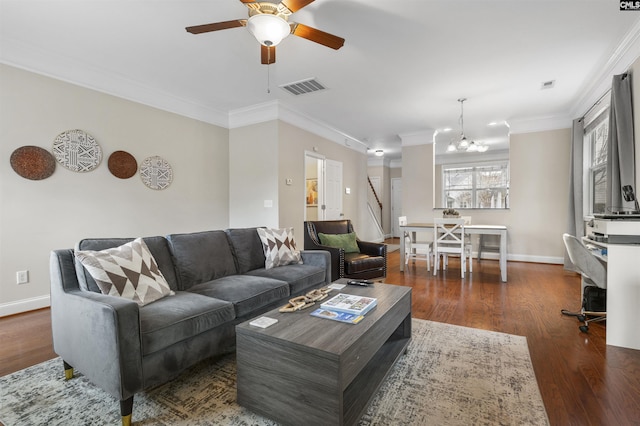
(268, 79)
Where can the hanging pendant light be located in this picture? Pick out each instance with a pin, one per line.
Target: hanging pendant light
(464, 144)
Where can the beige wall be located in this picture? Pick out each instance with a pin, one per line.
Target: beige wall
(38, 216)
(293, 143)
(417, 183)
(253, 175)
(539, 193)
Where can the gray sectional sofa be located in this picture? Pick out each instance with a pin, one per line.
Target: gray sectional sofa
(218, 279)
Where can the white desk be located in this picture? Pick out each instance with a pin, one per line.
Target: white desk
(500, 230)
(623, 293)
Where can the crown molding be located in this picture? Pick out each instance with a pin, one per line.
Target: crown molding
(277, 110)
(29, 58)
(253, 114)
(422, 137)
(319, 128)
(539, 124)
(619, 62)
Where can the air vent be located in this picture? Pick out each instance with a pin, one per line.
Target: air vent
(548, 84)
(304, 86)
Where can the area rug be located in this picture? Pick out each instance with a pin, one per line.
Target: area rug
(450, 375)
(392, 247)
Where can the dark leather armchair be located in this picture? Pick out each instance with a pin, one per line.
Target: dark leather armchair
(370, 263)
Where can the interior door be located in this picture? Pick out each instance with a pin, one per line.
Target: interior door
(314, 187)
(333, 190)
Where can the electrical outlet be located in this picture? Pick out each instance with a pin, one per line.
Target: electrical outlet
(22, 277)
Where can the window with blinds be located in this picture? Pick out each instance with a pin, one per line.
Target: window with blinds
(480, 186)
(596, 133)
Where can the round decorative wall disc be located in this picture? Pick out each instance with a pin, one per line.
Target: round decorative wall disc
(156, 172)
(33, 162)
(122, 164)
(77, 151)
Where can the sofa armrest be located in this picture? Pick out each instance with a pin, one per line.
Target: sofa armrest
(337, 259)
(95, 333)
(321, 258)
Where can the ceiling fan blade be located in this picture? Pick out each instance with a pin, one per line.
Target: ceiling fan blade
(199, 29)
(267, 54)
(317, 36)
(294, 5)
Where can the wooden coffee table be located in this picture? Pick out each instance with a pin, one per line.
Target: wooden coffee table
(315, 371)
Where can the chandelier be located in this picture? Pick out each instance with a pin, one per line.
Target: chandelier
(464, 144)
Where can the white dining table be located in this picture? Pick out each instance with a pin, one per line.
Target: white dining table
(500, 230)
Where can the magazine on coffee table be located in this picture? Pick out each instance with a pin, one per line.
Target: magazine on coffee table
(350, 304)
(337, 316)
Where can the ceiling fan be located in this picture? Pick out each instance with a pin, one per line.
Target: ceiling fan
(268, 22)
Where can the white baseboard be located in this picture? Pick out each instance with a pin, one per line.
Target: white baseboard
(523, 258)
(24, 305)
(40, 302)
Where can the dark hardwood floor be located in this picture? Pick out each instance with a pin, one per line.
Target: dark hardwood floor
(582, 381)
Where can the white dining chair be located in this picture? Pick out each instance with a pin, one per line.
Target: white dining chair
(449, 238)
(416, 250)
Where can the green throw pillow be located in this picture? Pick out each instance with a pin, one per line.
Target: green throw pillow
(344, 241)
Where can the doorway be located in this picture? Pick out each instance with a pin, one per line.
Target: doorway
(323, 188)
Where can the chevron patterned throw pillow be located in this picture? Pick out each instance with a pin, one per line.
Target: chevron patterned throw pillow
(128, 271)
(279, 247)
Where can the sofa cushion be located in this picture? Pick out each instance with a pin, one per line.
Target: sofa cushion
(299, 277)
(279, 247)
(201, 257)
(357, 262)
(247, 293)
(247, 249)
(348, 242)
(180, 317)
(128, 271)
(158, 246)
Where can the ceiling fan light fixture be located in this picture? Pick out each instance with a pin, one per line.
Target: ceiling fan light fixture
(482, 148)
(451, 147)
(268, 29)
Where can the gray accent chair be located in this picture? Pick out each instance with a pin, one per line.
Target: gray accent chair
(219, 280)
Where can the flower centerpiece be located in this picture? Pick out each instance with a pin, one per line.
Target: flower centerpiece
(450, 213)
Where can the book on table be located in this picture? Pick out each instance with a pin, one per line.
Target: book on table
(350, 304)
(337, 316)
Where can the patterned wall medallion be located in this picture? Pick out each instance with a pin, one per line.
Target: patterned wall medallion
(33, 162)
(122, 164)
(77, 151)
(156, 172)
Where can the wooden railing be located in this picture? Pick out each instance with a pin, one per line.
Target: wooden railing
(376, 196)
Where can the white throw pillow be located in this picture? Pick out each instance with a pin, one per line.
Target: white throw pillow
(279, 247)
(128, 271)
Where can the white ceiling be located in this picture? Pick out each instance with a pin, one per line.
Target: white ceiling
(402, 68)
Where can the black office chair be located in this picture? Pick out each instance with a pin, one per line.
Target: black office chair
(594, 273)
